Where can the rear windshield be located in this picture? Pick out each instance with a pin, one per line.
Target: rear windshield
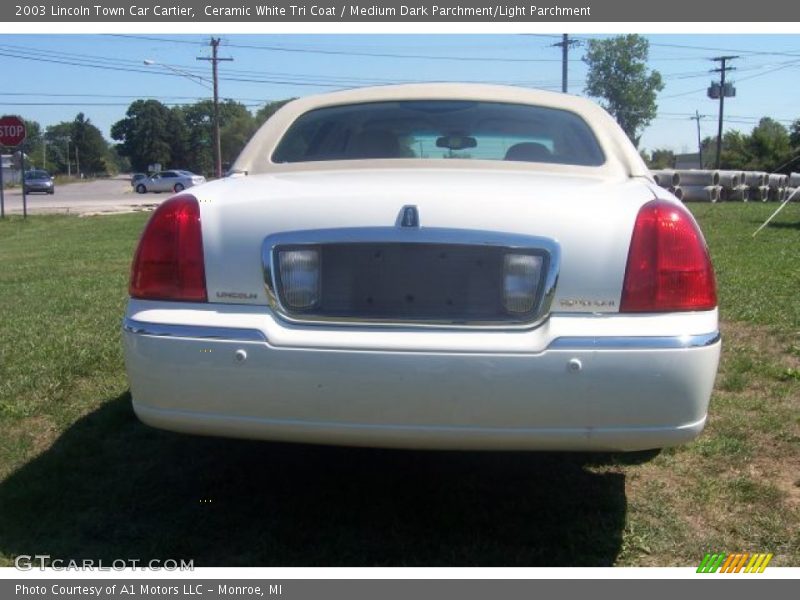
(440, 129)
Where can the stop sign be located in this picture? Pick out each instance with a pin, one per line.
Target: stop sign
(12, 131)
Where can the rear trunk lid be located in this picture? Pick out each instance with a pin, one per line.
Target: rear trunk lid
(590, 219)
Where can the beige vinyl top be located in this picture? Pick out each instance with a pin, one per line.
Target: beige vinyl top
(622, 157)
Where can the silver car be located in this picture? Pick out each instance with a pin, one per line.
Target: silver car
(38, 180)
(169, 181)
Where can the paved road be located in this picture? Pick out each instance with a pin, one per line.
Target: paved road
(91, 197)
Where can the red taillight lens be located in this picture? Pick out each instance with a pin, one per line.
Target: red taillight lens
(668, 264)
(169, 260)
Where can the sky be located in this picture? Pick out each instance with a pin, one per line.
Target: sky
(51, 77)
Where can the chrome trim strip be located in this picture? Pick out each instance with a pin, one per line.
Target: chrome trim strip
(562, 343)
(233, 334)
(421, 235)
(635, 342)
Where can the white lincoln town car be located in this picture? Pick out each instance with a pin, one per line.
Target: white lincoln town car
(428, 266)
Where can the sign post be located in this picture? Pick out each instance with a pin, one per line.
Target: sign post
(12, 134)
(2, 190)
(22, 182)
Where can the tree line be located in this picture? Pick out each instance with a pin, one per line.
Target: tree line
(75, 147)
(150, 133)
(770, 147)
(183, 136)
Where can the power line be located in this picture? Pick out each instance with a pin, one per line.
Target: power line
(356, 53)
(260, 80)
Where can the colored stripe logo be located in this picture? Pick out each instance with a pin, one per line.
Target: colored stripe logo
(742, 562)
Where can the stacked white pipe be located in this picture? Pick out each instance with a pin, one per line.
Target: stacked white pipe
(698, 185)
(701, 185)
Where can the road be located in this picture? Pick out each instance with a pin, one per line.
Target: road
(83, 198)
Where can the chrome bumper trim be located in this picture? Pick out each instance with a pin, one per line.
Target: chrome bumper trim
(233, 334)
(577, 343)
(635, 342)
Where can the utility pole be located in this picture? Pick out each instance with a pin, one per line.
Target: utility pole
(214, 61)
(697, 116)
(723, 68)
(565, 44)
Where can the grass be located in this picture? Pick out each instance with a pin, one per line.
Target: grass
(81, 477)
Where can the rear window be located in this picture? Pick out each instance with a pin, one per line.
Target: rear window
(440, 129)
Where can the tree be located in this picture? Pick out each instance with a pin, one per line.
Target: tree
(269, 109)
(59, 146)
(236, 126)
(150, 133)
(618, 75)
(769, 146)
(661, 158)
(794, 136)
(91, 149)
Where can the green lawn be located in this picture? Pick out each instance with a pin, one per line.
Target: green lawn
(81, 477)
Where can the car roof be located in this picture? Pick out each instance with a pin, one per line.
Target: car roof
(622, 155)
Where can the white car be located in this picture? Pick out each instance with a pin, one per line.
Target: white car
(428, 266)
(168, 181)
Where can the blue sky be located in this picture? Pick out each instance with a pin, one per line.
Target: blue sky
(50, 78)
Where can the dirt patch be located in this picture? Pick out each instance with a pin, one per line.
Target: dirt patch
(762, 341)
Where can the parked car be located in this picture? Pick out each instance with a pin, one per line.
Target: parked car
(169, 181)
(39, 180)
(136, 178)
(428, 266)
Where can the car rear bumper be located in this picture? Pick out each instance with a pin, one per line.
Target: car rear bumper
(578, 393)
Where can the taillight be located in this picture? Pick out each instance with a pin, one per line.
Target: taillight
(169, 259)
(668, 264)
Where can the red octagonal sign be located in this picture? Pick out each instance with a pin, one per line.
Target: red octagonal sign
(12, 131)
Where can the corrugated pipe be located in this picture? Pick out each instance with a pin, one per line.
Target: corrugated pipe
(730, 179)
(666, 178)
(701, 193)
(695, 177)
(755, 179)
